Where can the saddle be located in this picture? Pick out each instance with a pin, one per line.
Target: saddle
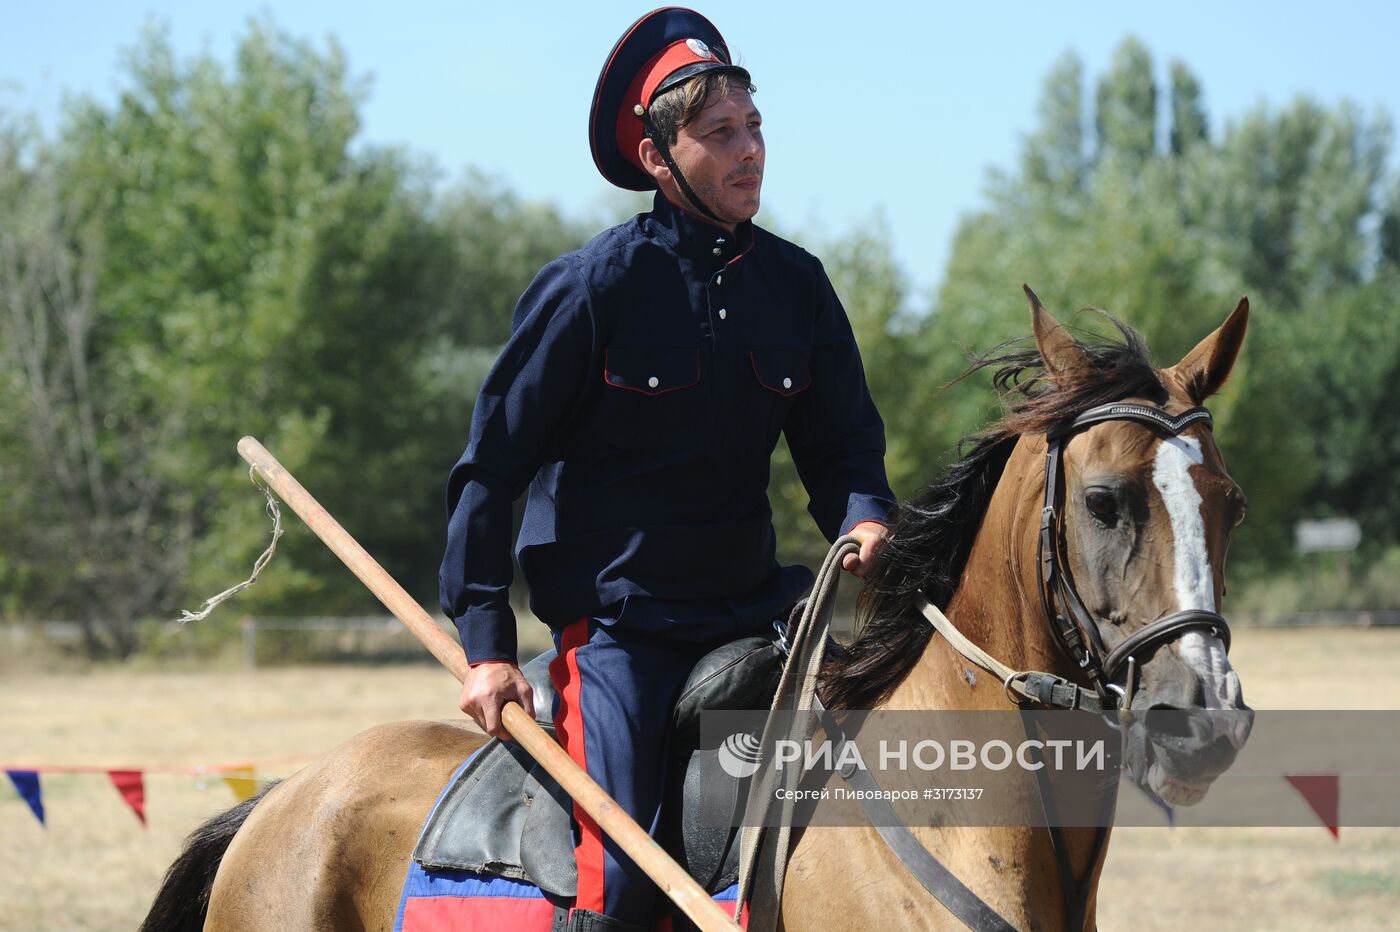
(505, 816)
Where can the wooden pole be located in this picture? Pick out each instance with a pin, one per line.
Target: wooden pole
(649, 856)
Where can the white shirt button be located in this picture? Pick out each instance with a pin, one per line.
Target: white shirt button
(723, 313)
(653, 382)
(717, 251)
(719, 279)
(787, 383)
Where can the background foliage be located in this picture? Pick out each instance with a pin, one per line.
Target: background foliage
(215, 255)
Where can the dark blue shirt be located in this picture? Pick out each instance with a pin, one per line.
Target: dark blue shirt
(640, 398)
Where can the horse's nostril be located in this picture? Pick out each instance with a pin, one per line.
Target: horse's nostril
(1236, 725)
(1165, 719)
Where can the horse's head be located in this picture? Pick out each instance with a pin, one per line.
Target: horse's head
(1146, 513)
(1114, 579)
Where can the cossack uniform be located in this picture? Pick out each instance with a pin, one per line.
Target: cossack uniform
(639, 399)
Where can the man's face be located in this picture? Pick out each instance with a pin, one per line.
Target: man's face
(721, 155)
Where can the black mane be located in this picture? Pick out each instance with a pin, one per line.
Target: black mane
(932, 534)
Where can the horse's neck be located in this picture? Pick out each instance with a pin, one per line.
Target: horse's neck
(996, 603)
(997, 606)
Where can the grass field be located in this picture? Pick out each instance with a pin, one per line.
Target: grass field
(94, 867)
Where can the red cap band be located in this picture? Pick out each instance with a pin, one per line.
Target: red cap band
(661, 66)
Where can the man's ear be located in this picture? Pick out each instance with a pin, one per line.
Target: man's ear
(652, 162)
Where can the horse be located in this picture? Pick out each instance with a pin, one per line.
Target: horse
(1141, 510)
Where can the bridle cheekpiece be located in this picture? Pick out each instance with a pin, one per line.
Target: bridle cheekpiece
(1070, 621)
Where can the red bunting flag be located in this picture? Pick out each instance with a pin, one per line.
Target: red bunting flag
(133, 790)
(1322, 792)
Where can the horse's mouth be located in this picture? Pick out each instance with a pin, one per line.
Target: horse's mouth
(1175, 790)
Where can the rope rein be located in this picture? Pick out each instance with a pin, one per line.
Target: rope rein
(796, 692)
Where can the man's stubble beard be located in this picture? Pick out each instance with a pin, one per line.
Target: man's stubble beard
(711, 196)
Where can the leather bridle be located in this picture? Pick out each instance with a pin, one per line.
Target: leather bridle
(1071, 624)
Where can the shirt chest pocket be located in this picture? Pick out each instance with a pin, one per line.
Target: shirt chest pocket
(784, 372)
(780, 376)
(652, 371)
(653, 394)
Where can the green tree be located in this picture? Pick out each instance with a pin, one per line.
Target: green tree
(1389, 231)
(1126, 106)
(242, 272)
(214, 256)
(1054, 158)
(80, 513)
(498, 242)
(1287, 206)
(1188, 112)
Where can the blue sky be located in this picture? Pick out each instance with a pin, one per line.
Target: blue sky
(871, 108)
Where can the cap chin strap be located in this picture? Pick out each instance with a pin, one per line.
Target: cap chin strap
(663, 147)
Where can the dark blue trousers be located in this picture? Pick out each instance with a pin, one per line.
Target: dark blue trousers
(616, 679)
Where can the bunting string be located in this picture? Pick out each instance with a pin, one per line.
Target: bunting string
(130, 782)
(194, 769)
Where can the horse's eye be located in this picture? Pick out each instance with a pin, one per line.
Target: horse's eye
(1102, 505)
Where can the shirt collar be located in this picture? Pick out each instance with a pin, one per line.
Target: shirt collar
(698, 240)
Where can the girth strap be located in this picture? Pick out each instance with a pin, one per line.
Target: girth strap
(931, 874)
(1076, 893)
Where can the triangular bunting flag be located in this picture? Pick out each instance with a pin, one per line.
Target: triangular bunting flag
(133, 790)
(240, 780)
(1322, 792)
(27, 786)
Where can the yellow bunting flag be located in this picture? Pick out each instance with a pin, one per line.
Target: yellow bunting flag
(240, 780)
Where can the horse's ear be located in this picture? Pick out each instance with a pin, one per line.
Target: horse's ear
(1204, 370)
(1060, 352)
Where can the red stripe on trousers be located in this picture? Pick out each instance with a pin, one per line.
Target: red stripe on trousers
(568, 725)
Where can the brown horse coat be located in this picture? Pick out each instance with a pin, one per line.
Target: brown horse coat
(329, 847)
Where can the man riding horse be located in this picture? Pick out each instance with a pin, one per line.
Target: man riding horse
(640, 399)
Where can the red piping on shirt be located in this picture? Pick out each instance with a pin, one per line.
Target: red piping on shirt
(648, 391)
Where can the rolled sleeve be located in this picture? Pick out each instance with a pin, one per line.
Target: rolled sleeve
(866, 508)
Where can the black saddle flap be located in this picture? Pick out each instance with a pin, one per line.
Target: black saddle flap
(505, 816)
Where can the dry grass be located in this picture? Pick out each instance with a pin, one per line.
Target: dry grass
(1271, 878)
(95, 868)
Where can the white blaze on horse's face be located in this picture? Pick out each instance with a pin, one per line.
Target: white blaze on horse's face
(1193, 581)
